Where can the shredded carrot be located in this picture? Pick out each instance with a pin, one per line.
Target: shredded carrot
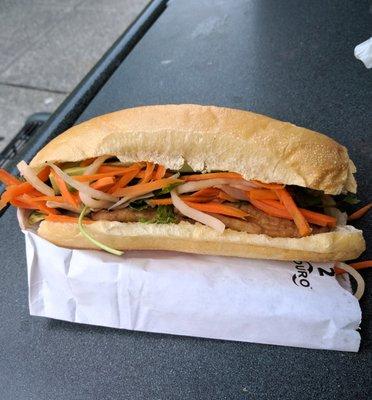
(263, 194)
(276, 209)
(87, 162)
(272, 186)
(359, 213)
(217, 208)
(201, 196)
(160, 172)
(212, 175)
(319, 219)
(7, 178)
(299, 219)
(34, 193)
(207, 192)
(16, 190)
(312, 216)
(120, 168)
(357, 266)
(362, 264)
(148, 172)
(168, 200)
(140, 174)
(94, 177)
(19, 188)
(103, 183)
(271, 209)
(43, 175)
(20, 204)
(142, 188)
(66, 218)
(39, 205)
(124, 180)
(226, 197)
(57, 199)
(198, 199)
(64, 190)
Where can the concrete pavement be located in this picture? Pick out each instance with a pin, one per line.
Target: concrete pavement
(46, 48)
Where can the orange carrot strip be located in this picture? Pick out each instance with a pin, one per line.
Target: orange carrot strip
(140, 174)
(226, 197)
(142, 188)
(16, 190)
(87, 162)
(319, 219)
(362, 264)
(271, 209)
(160, 172)
(57, 199)
(103, 183)
(212, 175)
(211, 192)
(148, 172)
(39, 205)
(359, 213)
(312, 216)
(124, 180)
(218, 209)
(43, 175)
(263, 194)
(64, 190)
(66, 218)
(199, 199)
(168, 200)
(20, 204)
(120, 168)
(300, 221)
(357, 266)
(276, 209)
(272, 186)
(94, 177)
(7, 178)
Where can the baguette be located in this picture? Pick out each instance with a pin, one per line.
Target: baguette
(208, 138)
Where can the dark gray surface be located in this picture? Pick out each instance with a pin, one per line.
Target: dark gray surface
(289, 59)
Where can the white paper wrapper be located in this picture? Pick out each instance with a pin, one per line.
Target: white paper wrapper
(363, 52)
(283, 303)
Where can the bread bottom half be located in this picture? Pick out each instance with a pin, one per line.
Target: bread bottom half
(344, 243)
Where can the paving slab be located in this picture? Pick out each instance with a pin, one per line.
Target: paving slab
(21, 26)
(127, 7)
(68, 51)
(17, 4)
(16, 104)
(47, 47)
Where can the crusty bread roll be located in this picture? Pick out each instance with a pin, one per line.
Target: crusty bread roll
(209, 138)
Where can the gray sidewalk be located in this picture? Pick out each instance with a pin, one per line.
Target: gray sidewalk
(46, 48)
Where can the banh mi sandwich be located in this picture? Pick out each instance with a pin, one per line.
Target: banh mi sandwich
(191, 178)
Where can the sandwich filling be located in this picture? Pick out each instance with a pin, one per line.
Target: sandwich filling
(103, 188)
